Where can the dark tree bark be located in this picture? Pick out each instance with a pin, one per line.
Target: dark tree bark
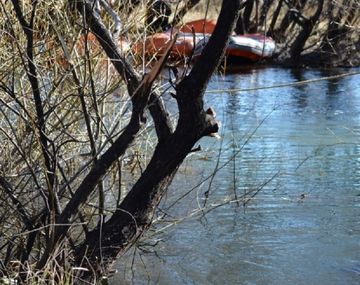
(50, 197)
(307, 27)
(140, 96)
(157, 16)
(289, 16)
(264, 11)
(336, 30)
(247, 15)
(255, 24)
(98, 246)
(31, 70)
(182, 12)
(351, 11)
(135, 212)
(274, 18)
(239, 27)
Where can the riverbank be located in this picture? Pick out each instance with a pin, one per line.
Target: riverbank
(306, 34)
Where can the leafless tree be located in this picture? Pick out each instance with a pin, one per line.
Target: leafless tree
(69, 144)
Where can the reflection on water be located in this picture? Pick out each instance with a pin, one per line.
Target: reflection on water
(298, 149)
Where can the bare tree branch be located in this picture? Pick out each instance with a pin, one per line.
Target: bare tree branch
(136, 210)
(8, 189)
(140, 99)
(28, 29)
(157, 108)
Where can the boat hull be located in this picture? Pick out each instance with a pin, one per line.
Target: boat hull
(193, 36)
(157, 44)
(247, 48)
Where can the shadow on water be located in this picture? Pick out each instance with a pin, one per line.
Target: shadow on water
(300, 97)
(299, 147)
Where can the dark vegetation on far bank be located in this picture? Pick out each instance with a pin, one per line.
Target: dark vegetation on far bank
(322, 33)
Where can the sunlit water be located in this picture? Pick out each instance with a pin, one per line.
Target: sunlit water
(291, 156)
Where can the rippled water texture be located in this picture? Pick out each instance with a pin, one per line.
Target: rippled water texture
(294, 153)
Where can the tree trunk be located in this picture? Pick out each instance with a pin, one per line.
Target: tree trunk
(188, 6)
(274, 18)
(239, 27)
(140, 96)
(289, 17)
(247, 15)
(351, 10)
(335, 31)
(307, 27)
(264, 11)
(135, 213)
(157, 16)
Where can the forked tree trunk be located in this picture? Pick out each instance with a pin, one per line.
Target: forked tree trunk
(180, 14)
(289, 17)
(247, 15)
(274, 18)
(135, 213)
(307, 27)
(239, 27)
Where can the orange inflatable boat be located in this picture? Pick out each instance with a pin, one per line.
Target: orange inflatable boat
(252, 47)
(193, 36)
(156, 45)
(88, 41)
(188, 36)
(243, 48)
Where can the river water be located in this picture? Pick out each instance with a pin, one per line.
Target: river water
(282, 187)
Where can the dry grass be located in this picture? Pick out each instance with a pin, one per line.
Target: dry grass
(200, 11)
